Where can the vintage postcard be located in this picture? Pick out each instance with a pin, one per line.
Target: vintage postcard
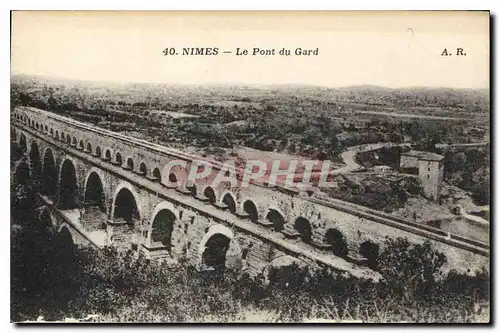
(278, 167)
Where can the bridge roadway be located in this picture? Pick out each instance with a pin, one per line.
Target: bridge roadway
(295, 248)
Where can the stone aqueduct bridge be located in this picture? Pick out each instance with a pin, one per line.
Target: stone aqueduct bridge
(105, 188)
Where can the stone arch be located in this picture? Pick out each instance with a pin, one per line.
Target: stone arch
(164, 205)
(229, 200)
(74, 142)
(35, 160)
(107, 155)
(68, 139)
(37, 126)
(81, 145)
(249, 207)
(94, 201)
(98, 152)
(175, 176)
(303, 227)
(23, 147)
(371, 252)
(68, 188)
(156, 175)
(277, 218)
(51, 132)
(143, 169)
(162, 225)
(309, 212)
(172, 179)
(57, 135)
(130, 164)
(219, 250)
(94, 195)
(49, 172)
(336, 239)
(46, 128)
(210, 194)
(126, 205)
(88, 148)
(118, 158)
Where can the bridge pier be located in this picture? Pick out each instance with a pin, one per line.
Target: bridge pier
(318, 239)
(121, 235)
(183, 190)
(289, 231)
(156, 251)
(93, 218)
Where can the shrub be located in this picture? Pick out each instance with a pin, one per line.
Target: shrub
(127, 287)
(410, 269)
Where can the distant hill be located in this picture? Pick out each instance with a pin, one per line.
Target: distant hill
(473, 100)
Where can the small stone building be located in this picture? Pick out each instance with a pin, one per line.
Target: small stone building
(430, 169)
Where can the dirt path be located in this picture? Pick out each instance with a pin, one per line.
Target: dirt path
(349, 156)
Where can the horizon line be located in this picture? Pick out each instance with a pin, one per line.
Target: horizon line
(242, 84)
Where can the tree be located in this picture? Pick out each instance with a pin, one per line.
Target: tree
(410, 269)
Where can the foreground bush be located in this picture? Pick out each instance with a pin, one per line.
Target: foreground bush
(55, 281)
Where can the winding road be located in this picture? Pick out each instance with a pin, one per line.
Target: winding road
(349, 155)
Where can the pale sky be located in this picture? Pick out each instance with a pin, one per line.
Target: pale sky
(393, 49)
